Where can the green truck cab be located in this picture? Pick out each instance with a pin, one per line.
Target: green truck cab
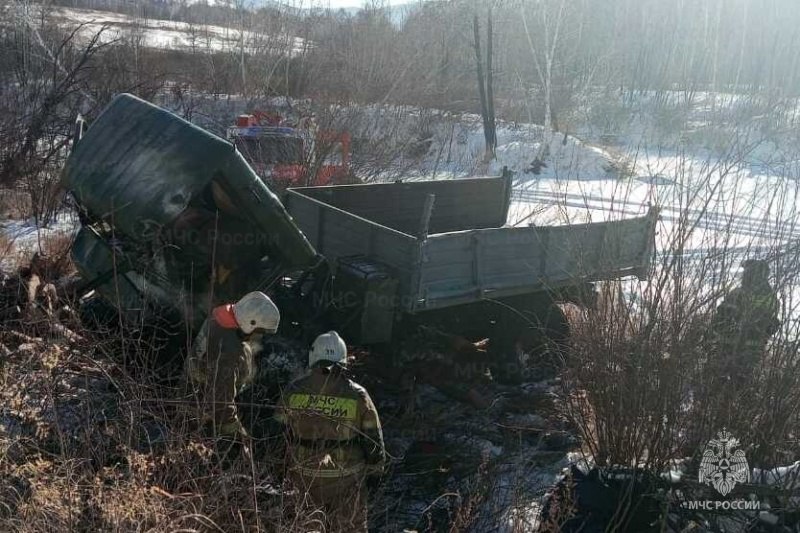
(136, 171)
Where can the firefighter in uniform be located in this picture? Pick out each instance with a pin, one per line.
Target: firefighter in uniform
(744, 322)
(221, 359)
(334, 437)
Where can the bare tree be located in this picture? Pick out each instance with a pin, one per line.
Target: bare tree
(485, 90)
(50, 76)
(551, 18)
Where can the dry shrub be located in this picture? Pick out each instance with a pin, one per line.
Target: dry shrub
(102, 444)
(643, 382)
(50, 257)
(626, 381)
(55, 249)
(6, 247)
(15, 204)
(646, 382)
(560, 507)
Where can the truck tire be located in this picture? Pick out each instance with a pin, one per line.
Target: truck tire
(528, 342)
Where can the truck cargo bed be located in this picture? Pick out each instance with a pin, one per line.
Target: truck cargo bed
(461, 252)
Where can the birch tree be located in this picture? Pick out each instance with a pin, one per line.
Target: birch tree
(551, 16)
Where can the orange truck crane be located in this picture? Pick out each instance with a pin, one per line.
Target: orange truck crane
(285, 154)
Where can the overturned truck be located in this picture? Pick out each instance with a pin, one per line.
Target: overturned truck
(174, 221)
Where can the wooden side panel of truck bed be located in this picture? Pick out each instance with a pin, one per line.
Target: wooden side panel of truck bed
(457, 267)
(336, 233)
(465, 266)
(466, 203)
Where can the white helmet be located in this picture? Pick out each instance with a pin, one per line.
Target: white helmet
(327, 347)
(256, 311)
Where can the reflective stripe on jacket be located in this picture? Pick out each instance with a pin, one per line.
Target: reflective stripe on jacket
(333, 425)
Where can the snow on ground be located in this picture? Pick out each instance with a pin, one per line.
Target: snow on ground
(743, 201)
(735, 198)
(787, 476)
(24, 237)
(158, 33)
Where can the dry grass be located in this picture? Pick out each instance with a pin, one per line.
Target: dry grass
(91, 441)
(52, 250)
(55, 248)
(101, 447)
(6, 247)
(92, 438)
(15, 204)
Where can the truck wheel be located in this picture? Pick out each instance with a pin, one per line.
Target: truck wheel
(528, 344)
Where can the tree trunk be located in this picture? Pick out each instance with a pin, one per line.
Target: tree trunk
(548, 126)
(491, 137)
(482, 88)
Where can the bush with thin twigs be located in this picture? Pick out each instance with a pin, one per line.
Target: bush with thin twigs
(15, 204)
(101, 443)
(645, 382)
(560, 507)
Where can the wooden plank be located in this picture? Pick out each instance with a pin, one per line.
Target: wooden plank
(477, 264)
(456, 267)
(433, 273)
(305, 215)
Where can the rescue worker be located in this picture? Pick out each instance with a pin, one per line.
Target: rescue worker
(221, 360)
(744, 322)
(334, 437)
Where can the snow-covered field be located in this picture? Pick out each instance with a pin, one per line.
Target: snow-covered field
(741, 197)
(156, 33)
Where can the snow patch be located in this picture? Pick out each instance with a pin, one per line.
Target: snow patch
(166, 34)
(25, 237)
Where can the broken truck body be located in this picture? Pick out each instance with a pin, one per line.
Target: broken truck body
(397, 253)
(133, 174)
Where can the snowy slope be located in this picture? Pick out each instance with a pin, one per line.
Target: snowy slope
(736, 195)
(162, 34)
